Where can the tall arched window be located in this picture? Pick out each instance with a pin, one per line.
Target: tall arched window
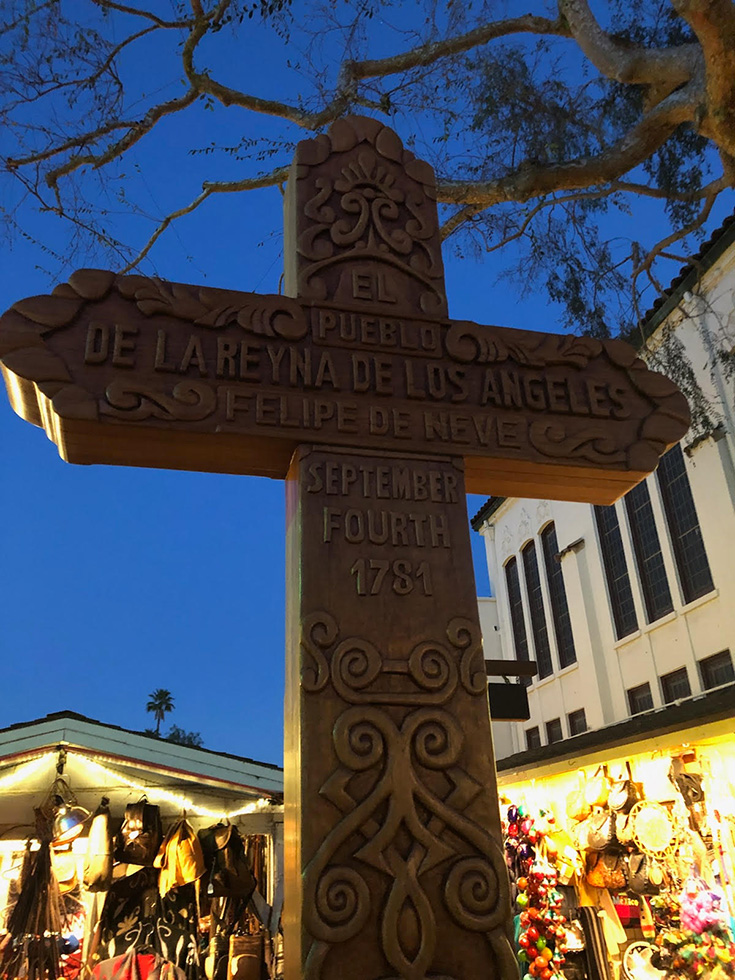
(536, 610)
(515, 602)
(681, 516)
(558, 597)
(616, 571)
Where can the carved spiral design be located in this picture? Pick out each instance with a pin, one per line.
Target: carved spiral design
(342, 905)
(432, 668)
(472, 894)
(437, 738)
(355, 665)
(318, 632)
(360, 738)
(465, 635)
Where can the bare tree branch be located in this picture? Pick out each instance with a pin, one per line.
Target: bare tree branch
(148, 14)
(621, 156)
(277, 176)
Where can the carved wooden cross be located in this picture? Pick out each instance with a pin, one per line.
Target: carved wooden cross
(379, 411)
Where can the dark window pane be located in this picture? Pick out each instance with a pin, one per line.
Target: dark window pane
(533, 738)
(675, 685)
(558, 597)
(515, 601)
(577, 722)
(716, 670)
(553, 731)
(616, 571)
(647, 548)
(536, 609)
(640, 698)
(686, 537)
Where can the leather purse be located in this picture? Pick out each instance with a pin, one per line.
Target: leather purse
(597, 789)
(623, 792)
(141, 834)
(606, 870)
(645, 877)
(228, 873)
(600, 830)
(246, 957)
(689, 784)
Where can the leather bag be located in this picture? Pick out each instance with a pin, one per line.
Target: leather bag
(98, 862)
(600, 830)
(689, 784)
(228, 873)
(597, 789)
(606, 870)
(141, 834)
(644, 876)
(180, 858)
(623, 792)
(246, 957)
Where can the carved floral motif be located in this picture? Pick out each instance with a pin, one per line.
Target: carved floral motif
(376, 202)
(269, 316)
(469, 342)
(190, 401)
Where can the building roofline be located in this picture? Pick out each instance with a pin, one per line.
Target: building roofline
(685, 280)
(709, 707)
(60, 716)
(491, 505)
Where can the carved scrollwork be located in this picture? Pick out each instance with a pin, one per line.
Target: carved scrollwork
(464, 635)
(469, 342)
(318, 632)
(365, 200)
(471, 893)
(592, 443)
(190, 401)
(396, 802)
(356, 667)
(268, 316)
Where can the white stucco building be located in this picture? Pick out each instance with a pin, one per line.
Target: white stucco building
(629, 608)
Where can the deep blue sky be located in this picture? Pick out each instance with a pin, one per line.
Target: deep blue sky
(116, 581)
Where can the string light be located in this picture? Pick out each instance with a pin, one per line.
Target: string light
(26, 770)
(158, 793)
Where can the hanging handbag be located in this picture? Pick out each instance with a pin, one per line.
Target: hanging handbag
(623, 792)
(600, 830)
(228, 873)
(98, 862)
(689, 784)
(645, 877)
(606, 870)
(246, 957)
(141, 834)
(577, 806)
(180, 858)
(597, 789)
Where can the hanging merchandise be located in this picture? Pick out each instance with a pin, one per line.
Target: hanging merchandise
(624, 792)
(140, 835)
(34, 924)
(98, 863)
(228, 873)
(541, 925)
(701, 944)
(180, 858)
(135, 965)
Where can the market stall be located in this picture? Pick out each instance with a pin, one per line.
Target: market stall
(620, 845)
(126, 855)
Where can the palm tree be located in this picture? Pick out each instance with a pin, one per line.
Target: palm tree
(160, 702)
